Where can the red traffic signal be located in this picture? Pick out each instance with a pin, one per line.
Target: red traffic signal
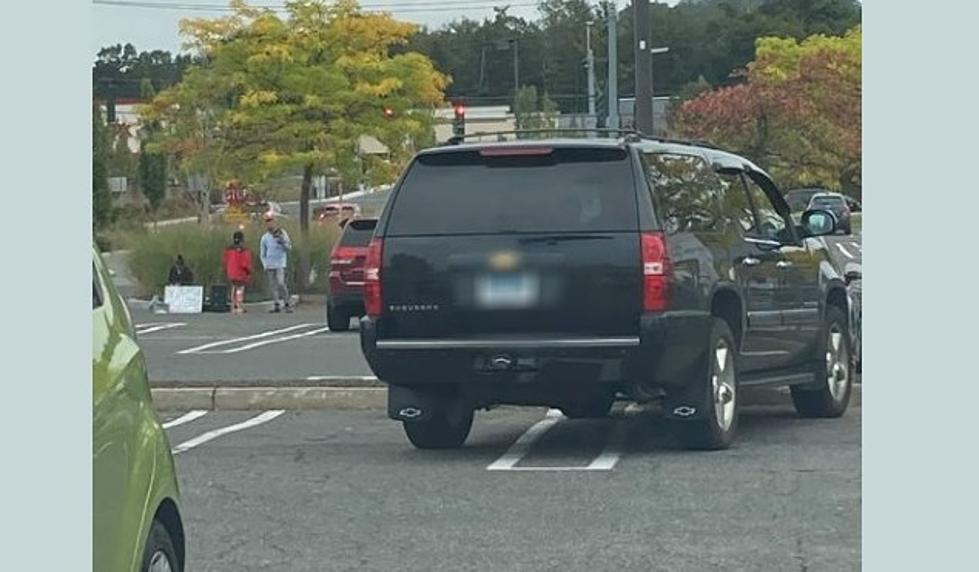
(460, 110)
(388, 112)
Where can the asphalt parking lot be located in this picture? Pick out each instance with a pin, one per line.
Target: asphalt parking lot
(531, 490)
(343, 490)
(254, 347)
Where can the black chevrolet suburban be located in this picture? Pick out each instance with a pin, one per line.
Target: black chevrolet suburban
(565, 272)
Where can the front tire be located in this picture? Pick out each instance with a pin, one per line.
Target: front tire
(337, 319)
(441, 431)
(833, 376)
(160, 555)
(718, 379)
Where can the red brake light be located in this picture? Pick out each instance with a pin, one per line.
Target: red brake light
(515, 151)
(343, 255)
(373, 300)
(655, 272)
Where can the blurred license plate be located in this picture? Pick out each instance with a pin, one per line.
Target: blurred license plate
(507, 290)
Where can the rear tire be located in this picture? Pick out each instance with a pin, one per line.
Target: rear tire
(834, 378)
(159, 554)
(337, 319)
(719, 402)
(439, 432)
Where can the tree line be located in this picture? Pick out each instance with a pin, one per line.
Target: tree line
(709, 41)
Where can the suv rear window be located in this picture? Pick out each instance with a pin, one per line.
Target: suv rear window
(358, 232)
(568, 189)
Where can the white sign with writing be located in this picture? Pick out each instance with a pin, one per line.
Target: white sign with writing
(184, 299)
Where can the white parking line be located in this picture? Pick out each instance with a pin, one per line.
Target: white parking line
(271, 341)
(522, 445)
(142, 329)
(844, 251)
(341, 377)
(210, 435)
(199, 349)
(185, 418)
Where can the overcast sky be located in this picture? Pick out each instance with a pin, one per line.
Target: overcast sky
(156, 28)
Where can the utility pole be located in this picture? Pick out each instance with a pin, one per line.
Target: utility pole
(516, 72)
(590, 64)
(644, 68)
(613, 68)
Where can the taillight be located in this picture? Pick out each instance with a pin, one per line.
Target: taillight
(344, 255)
(655, 272)
(373, 301)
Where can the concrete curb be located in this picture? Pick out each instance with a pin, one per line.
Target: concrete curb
(337, 397)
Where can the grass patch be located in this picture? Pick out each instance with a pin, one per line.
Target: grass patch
(152, 254)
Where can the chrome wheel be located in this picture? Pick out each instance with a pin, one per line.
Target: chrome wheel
(160, 562)
(723, 385)
(837, 363)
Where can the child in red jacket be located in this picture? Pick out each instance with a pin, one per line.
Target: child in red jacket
(238, 267)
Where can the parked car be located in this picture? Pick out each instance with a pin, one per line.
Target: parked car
(853, 204)
(835, 203)
(137, 523)
(561, 272)
(347, 274)
(854, 288)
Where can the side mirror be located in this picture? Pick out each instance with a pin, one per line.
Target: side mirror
(818, 222)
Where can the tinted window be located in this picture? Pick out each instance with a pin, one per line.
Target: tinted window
(770, 224)
(96, 289)
(358, 232)
(688, 193)
(739, 206)
(463, 192)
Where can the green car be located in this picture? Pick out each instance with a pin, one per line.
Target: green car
(136, 502)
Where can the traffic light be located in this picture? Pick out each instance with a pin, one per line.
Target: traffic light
(459, 121)
(388, 113)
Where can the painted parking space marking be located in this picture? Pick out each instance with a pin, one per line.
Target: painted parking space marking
(341, 378)
(606, 460)
(271, 341)
(845, 251)
(142, 329)
(185, 418)
(522, 445)
(211, 435)
(233, 341)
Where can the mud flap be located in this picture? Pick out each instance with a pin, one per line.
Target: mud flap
(408, 404)
(686, 404)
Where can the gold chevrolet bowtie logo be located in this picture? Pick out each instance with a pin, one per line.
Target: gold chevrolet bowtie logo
(503, 261)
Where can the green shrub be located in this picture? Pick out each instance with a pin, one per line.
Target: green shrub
(153, 253)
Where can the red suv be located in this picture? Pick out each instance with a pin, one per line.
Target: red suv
(347, 274)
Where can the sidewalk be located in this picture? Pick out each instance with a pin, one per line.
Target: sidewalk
(342, 393)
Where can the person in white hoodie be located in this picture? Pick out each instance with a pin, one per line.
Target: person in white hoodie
(274, 253)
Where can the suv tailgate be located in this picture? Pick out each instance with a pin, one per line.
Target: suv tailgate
(514, 242)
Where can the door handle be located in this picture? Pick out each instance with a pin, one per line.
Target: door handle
(783, 264)
(750, 261)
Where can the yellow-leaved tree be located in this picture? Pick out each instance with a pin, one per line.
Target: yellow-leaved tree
(296, 92)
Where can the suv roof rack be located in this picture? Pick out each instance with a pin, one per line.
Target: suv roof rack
(458, 139)
(630, 135)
